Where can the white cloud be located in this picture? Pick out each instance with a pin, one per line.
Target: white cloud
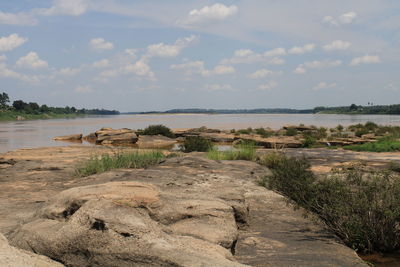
(337, 45)
(322, 64)
(221, 70)
(83, 89)
(208, 14)
(268, 86)
(219, 87)
(5, 72)
(32, 61)
(164, 50)
(131, 52)
(247, 56)
(140, 68)
(262, 73)
(346, 18)
(276, 61)
(302, 49)
(65, 7)
(11, 42)
(3, 58)
(367, 59)
(324, 85)
(69, 71)
(243, 53)
(20, 19)
(275, 52)
(99, 44)
(300, 70)
(101, 63)
(198, 67)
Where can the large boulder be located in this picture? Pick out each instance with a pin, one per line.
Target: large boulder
(109, 136)
(13, 257)
(131, 224)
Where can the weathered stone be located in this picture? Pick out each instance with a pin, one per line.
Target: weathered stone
(90, 137)
(116, 136)
(368, 136)
(71, 137)
(13, 257)
(118, 224)
(20, 118)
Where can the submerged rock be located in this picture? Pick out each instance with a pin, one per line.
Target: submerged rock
(71, 137)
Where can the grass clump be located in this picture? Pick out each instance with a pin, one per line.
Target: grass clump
(385, 144)
(363, 209)
(196, 143)
(134, 160)
(158, 129)
(291, 132)
(245, 151)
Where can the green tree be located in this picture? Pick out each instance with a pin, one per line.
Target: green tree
(4, 100)
(19, 105)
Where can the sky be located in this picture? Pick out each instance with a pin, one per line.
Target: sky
(132, 55)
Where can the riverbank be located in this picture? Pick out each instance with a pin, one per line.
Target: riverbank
(209, 211)
(18, 116)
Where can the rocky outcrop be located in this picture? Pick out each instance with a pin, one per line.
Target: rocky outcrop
(13, 257)
(300, 128)
(71, 137)
(109, 136)
(132, 224)
(187, 211)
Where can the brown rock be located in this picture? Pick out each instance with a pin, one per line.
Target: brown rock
(13, 257)
(116, 136)
(155, 141)
(72, 137)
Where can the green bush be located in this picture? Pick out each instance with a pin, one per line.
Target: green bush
(264, 133)
(309, 141)
(291, 132)
(363, 209)
(103, 163)
(158, 129)
(245, 131)
(196, 143)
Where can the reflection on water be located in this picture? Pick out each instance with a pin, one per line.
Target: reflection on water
(29, 134)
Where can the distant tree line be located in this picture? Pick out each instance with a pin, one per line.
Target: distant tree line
(35, 108)
(235, 111)
(355, 109)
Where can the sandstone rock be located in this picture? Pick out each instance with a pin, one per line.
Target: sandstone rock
(72, 137)
(219, 137)
(155, 141)
(130, 224)
(90, 137)
(13, 257)
(116, 136)
(20, 118)
(368, 136)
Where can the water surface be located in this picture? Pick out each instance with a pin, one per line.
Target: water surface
(37, 133)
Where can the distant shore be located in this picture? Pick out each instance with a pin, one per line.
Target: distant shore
(16, 116)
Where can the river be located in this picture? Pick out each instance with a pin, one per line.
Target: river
(38, 133)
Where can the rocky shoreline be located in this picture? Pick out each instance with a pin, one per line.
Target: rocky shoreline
(186, 211)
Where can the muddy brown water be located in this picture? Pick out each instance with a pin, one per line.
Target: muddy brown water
(38, 133)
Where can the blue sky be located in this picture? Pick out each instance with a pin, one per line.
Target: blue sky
(157, 55)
